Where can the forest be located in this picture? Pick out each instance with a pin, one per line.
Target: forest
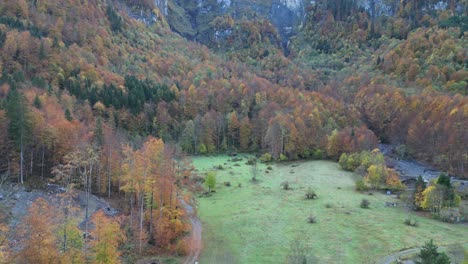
(96, 100)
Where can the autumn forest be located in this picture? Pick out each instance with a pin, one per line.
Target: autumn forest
(107, 99)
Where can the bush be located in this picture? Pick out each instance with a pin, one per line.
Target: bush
(283, 157)
(318, 154)
(310, 194)
(265, 158)
(239, 185)
(236, 159)
(365, 204)
(269, 168)
(202, 149)
(361, 186)
(411, 222)
(328, 205)
(182, 248)
(210, 180)
(219, 167)
(285, 185)
(251, 161)
(227, 184)
(311, 219)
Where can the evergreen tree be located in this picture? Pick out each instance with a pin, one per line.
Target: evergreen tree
(37, 102)
(99, 133)
(20, 126)
(188, 137)
(68, 115)
(429, 255)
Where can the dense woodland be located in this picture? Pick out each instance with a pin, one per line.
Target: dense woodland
(92, 98)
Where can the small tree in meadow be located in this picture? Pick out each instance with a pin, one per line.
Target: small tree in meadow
(365, 204)
(310, 194)
(210, 180)
(429, 255)
(254, 170)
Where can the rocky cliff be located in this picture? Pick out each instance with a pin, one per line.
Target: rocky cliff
(192, 18)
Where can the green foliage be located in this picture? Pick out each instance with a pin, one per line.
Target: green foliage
(187, 140)
(37, 102)
(202, 149)
(430, 255)
(68, 115)
(98, 136)
(299, 252)
(361, 186)
(418, 193)
(116, 21)
(318, 154)
(444, 180)
(455, 21)
(364, 159)
(411, 222)
(311, 219)
(266, 158)
(310, 194)
(210, 180)
(283, 157)
(365, 204)
(20, 25)
(17, 111)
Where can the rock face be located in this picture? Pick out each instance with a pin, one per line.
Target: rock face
(192, 18)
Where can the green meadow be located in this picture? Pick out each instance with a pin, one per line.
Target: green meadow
(257, 222)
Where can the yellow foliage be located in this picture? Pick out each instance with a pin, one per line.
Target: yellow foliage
(107, 237)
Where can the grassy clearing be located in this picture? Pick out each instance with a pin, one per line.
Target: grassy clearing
(257, 222)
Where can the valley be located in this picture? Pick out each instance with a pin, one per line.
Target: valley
(233, 131)
(259, 221)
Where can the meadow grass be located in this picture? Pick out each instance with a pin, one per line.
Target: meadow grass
(257, 222)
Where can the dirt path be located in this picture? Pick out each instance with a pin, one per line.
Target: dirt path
(392, 257)
(196, 236)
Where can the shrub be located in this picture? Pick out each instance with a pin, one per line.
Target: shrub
(328, 205)
(202, 149)
(310, 194)
(365, 204)
(361, 186)
(219, 167)
(411, 222)
(283, 157)
(239, 185)
(269, 168)
(182, 248)
(210, 180)
(285, 185)
(311, 219)
(265, 158)
(251, 161)
(318, 154)
(227, 184)
(236, 159)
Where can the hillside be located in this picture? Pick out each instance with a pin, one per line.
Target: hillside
(110, 97)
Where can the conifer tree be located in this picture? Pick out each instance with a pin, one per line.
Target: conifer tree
(20, 124)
